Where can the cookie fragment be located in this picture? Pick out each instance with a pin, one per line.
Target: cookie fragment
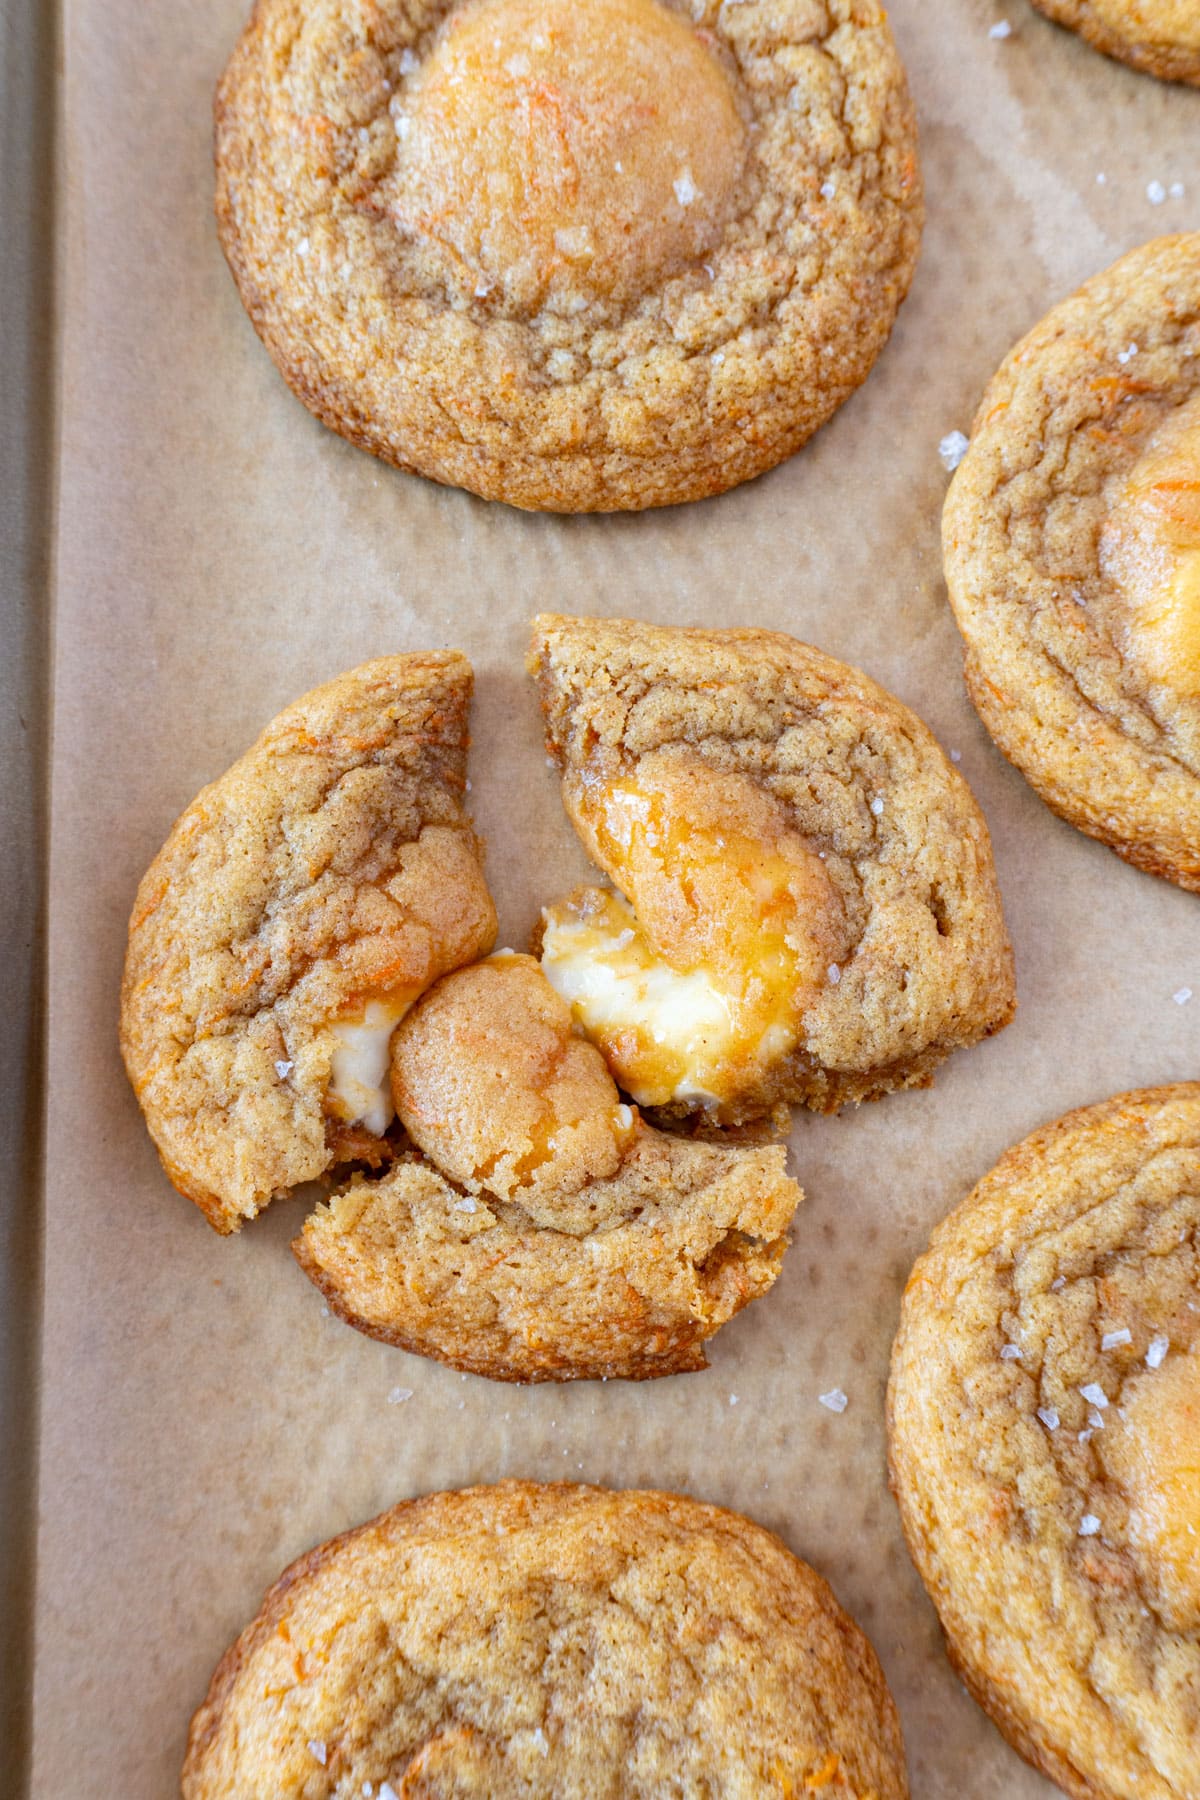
(525, 1639)
(1160, 37)
(298, 908)
(546, 1233)
(572, 257)
(1071, 537)
(1051, 1501)
(807, 907)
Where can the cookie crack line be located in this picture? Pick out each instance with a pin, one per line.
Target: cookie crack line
(308, 992)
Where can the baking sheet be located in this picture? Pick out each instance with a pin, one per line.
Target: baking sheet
(217, 553)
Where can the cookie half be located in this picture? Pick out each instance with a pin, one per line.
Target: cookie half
(537, 1640)
(298, 908)
(574, 257)
(1044, 1412)
(1161, 37)
(1072, 548)
(807, 907)
(540, 1230)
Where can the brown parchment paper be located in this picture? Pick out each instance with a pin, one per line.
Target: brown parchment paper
(218, 552)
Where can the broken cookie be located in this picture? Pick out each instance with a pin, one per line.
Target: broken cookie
(299, 907)
(806, 906)
(542, 1231)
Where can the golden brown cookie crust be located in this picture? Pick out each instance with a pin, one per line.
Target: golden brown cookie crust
(525, 1639)
(928, 967)
(1159, 37)
(332, 862)
(1002, 1464)
(686, 1234)
(1062, 423)
(581, 401)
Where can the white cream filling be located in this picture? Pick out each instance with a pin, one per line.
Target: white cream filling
(359, 1079)
(613, 985)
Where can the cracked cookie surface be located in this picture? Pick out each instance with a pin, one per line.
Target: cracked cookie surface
(536, 1640)
(572, 257)
(1044, 1414)
(299, 906)
(1160, 37)
(809, 911)
(544, 1233)
(1072, 548)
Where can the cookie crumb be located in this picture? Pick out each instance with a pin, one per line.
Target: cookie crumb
(1156, 193)
(1112, 1339)
(953, 448)
(835, 1401)
(399, 1394)
(1089, 1525)
(1156, 1352)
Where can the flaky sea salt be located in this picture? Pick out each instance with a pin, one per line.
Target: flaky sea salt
(828, 188)
(1181, 996)
(834, 1400)
(387, 1791)
(316, 1749)
(542, 1742)
(1049, 1417)
(1177, 190)
(367, 1790)
(1001, 29)
(733, 1399)
(466, 1204)
(1094, 1394)
(1113, 1339)
(398, 1395)
(408, 62)
(1058, 1284)
(953, 448)
(1095, 1419)
(835, 974)
(1156, 1352)
(1156, 193)
(1127, 354)
(1089, 1525)
(956, 756)
(685, 188)
(284, 1069)
(1010, 1352)
(877, 806)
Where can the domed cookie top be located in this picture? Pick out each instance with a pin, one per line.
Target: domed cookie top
(573, 256)
(544, 1233)
(298, 908)
(807, 909)
(519, 1640)
(1161, 37)
(1072, 546)
(1045, 1443)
